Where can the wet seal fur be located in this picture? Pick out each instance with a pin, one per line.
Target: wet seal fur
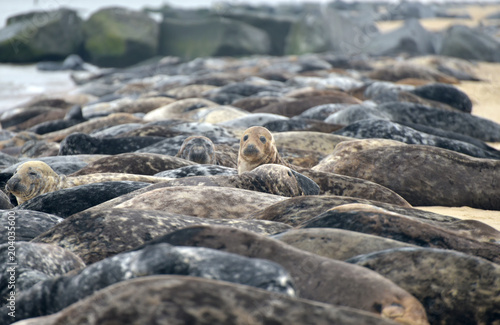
(33, 178)
(257, 147)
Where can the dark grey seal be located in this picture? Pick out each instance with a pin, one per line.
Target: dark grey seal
(80, 143)
(383, 129)
(316, 278)
(32, 263)
(202, 301)
(155, 259)
(198, 170)
(118, 230)
(28, 224)
(66, 202)
(455, 288)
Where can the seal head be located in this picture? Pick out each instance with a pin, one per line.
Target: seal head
(199, 149)
(257, 148)
(31, 179)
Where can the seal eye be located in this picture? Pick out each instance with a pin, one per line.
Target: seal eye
(245, 138)
(262, 139)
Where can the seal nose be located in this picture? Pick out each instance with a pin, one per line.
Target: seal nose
(11, 184)
(250, 150)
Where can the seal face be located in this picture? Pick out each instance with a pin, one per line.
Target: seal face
(257, 148)
(199, 149)
(31, 179)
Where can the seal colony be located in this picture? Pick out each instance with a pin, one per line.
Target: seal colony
(225, 153)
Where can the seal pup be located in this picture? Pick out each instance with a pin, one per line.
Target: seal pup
(257, 148)
(33, 178)
(199, 149)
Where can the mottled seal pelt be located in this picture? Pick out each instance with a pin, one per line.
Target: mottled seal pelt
(338, 244)
(268, 178)
(152, 260)
(33, 178)
(35, 262)
(199, 149)
(202, 301)
(315, 277)
(455, 288)
(80, 143)
(295, 210)
(257, 148)
(140, 163)
(403, 228)
(422, 175)
(121, 230)
(79, 198)
(202, 201)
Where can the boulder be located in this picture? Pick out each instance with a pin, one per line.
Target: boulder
(470, 44)
(213, 36)
(411, 38)
(276, 27)
(40, 35)
(117, 37)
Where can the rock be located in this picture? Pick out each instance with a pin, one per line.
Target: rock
(73, 62)
(30, 37)
(211, 37)
(470, 44)
(277, 27)
(117, 37)
(411, 39)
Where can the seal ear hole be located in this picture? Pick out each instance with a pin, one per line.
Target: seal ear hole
(262, 139)
(289, 173)
(245, 138)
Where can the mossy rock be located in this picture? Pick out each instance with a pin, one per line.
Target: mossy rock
(41, 35)
(117, 37)
(213, 36)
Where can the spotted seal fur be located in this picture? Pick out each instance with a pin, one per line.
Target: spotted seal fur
(36, 177)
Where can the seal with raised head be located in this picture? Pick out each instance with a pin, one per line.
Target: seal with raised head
(199, 149)
(257, 148)
(36, 177)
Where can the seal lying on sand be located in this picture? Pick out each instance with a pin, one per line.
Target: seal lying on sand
(257, 147)
(36, 177)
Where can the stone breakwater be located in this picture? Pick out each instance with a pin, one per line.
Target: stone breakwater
(119, 37)
(138, 209)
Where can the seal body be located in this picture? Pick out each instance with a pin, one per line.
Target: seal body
(33, 178)
(257, 148)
